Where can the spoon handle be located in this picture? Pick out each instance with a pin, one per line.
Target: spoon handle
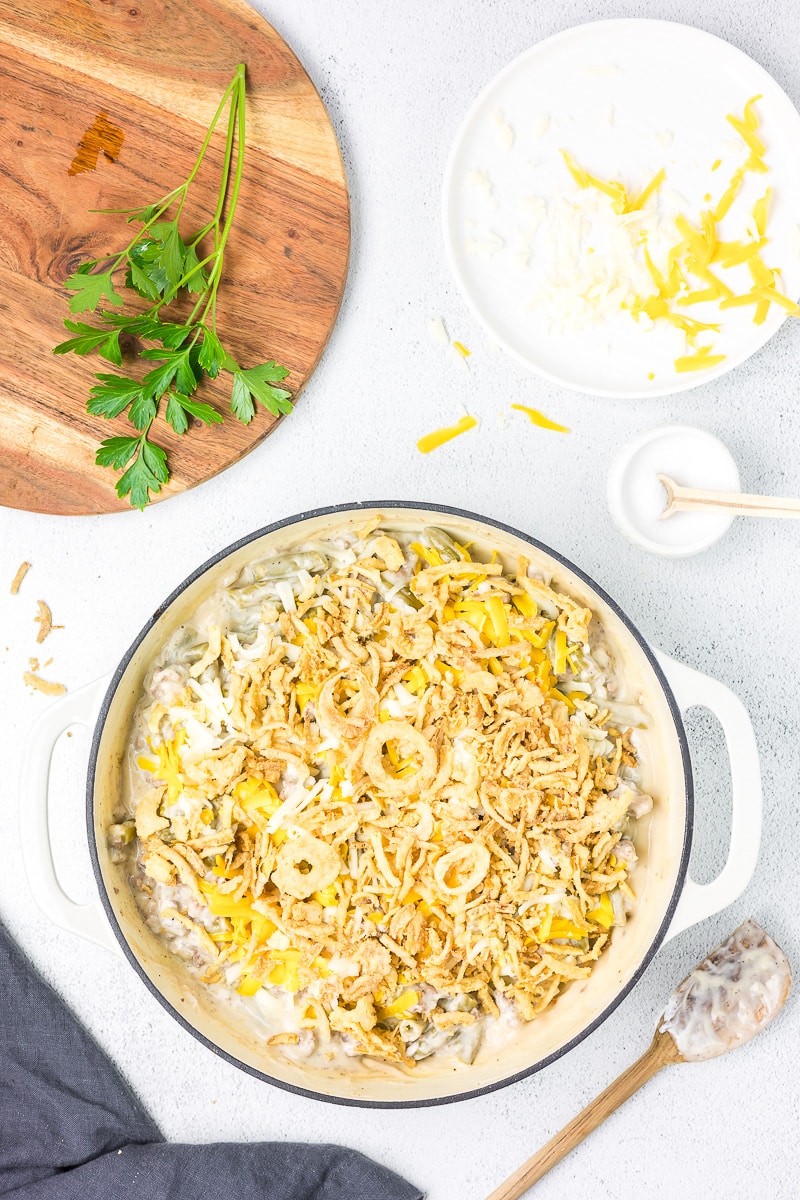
(684, 499)
(661, 1052)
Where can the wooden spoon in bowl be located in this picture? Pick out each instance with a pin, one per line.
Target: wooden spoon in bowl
(685, 499)
(722, 1004)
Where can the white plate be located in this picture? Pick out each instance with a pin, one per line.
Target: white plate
(625, 98)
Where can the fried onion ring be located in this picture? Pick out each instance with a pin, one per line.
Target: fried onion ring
(469, 862)
(356, 722)
(325, 865)
(410, 740)
(411, 637)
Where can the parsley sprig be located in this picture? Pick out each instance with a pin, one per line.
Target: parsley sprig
(160, 265)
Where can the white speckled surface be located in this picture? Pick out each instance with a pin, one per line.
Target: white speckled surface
(397, 82)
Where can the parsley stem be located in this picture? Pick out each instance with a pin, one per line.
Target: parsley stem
(232, 86)
(226, 167)
(237, 115)
(240, 149)
(167, 201)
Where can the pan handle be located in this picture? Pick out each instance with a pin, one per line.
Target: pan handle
(693, 689)
(87, 920)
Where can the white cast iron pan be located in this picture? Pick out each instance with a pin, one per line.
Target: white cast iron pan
(667, 901)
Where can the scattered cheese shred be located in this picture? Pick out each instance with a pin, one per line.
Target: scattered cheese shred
(615, 191)
(652, 187)
(702, 246)
(731, 254)
(750, 118)
(685, 274)
(729, 195)
(438, 332)
(762, 308)
(18, 578)
(761, 211)
(462, 349)
(432, 441)
(700, 361)
(748, 135)
(770, 296)
(537, 418)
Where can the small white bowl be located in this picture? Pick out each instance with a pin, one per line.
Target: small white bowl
(692, 457)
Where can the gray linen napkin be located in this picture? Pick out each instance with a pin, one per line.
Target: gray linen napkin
(71, 1129)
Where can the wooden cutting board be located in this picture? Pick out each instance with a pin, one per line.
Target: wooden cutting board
(154, 71)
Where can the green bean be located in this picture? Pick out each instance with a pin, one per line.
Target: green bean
(122, 834)
(253, 593)
(283, 565)
(408, 596)
(467, 1042)
(440, 541)
(193, 654)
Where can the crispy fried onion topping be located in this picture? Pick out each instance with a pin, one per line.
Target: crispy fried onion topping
(396, 797)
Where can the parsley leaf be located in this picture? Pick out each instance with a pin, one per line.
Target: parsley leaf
(197, 277)
(143, 411)
(145, 215)
(146, 270)
(202, 412)
(256, 383)
(143, 326)
(178, 406)
(156, 382)
(173, 336)
(116, 451)
(186, 376)
(88, 338)
(178, 366)
(173, 253)
(211, 355)
(140, 281)
(146, 474)
(112, 395)
(90, 290)
(175, 415)
(111, 350)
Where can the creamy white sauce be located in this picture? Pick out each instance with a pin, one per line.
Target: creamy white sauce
(732, 995)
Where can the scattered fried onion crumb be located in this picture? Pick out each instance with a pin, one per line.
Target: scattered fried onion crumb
(44, 618)
(18, 578)
(44, 685)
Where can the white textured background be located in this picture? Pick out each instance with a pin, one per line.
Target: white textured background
(397, 79)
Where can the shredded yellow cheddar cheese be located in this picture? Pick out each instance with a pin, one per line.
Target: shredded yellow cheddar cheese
(689, 278)
(432, 441)
(537, 418)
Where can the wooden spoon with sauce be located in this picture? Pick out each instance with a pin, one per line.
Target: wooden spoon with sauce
(724, 1003)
